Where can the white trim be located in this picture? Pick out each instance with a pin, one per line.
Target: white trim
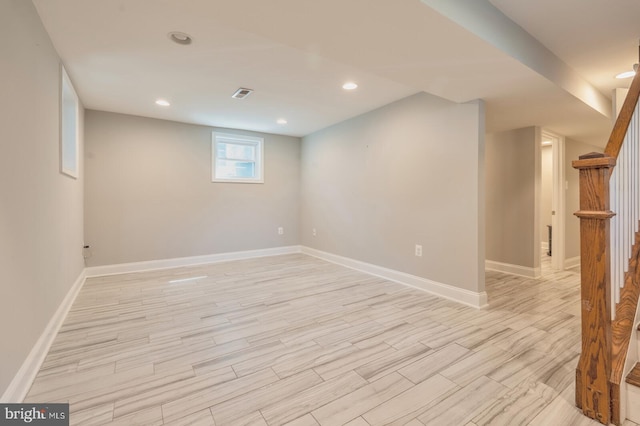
(572, 262)
(632, 399)
(466, 297)
(22, 381)
(508, 268)
(624, 401)
(151, 265)
(544, 246)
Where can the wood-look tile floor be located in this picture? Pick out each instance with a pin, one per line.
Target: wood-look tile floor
(299, 341)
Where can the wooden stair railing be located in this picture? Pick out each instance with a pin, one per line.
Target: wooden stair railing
(605, 338)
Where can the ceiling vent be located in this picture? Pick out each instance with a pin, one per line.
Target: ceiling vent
(242, 93)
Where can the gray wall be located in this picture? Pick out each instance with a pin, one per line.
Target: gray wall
(149, 194)
(408, 173)
(573, 150)
(511, 218)
(41, 210)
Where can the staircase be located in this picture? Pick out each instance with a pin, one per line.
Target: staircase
(634, 376)
(608, 372)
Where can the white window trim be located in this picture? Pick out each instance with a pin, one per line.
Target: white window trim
(239, 139)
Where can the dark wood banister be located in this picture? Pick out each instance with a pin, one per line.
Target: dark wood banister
(604, 342)
(614, 145)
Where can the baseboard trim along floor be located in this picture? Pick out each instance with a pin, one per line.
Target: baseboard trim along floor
(21, 383)
(572, 262)
(466, 297)
(508, 268)
(152, 265)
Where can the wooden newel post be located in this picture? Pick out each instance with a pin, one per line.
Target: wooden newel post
(593, 391)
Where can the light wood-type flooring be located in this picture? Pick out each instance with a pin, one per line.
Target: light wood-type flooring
(296, 340)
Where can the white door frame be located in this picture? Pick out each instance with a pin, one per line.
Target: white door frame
(558, 199)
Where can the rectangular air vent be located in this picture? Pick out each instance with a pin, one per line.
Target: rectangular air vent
(242, 93)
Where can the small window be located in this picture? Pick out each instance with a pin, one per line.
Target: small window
(237, 158)
(69, 113)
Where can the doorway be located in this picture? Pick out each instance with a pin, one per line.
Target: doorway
(551, 205)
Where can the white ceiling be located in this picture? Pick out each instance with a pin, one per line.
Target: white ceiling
(296, 54)
(597, 38)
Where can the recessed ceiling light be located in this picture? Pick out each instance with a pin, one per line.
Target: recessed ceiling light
(628, 74)
(180, 38)
(281, 121)
(162, 102)
(349, 85)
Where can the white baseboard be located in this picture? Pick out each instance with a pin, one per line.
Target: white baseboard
(21, 383)
(572, 262)
(544, 245)
(632, 403)
(466, 297)
(151, 265)
(508, 268)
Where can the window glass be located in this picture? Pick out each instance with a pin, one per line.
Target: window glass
(237, 158)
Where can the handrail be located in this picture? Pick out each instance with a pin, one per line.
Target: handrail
(626, 288)
(605, 339)
(614, 145)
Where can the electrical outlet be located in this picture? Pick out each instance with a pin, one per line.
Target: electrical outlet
(281, 231)
(86, 251)
(313, 231)
(418, 250)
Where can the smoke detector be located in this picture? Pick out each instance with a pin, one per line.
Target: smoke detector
(242, 93)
